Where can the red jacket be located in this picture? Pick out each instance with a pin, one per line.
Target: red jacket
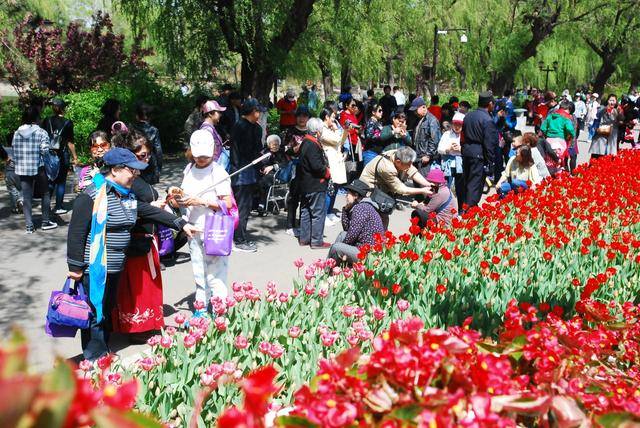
(347, 116)
(288, 111)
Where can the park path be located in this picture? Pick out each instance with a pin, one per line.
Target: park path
(31, 266)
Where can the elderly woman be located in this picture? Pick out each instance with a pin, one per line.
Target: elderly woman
(312, 175)
(99, 234)
(605, 140)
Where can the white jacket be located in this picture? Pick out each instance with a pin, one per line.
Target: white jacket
(332, 141)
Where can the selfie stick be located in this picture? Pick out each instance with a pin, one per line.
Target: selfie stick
(253, 162)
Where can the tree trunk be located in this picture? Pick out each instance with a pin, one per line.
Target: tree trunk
(257, 80)
(327, 80)
(345, 74)
(388, 68)
(607, 68)
(462, 72)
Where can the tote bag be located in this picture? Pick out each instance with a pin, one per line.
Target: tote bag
(67, 311)
(218, 232)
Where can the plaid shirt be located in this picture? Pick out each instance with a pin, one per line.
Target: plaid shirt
(28, 148)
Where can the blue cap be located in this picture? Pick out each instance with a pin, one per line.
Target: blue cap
(120, 156)
(417, 103)
(251, 105)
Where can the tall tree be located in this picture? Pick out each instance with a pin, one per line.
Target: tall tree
(613, 29)
(261, 32)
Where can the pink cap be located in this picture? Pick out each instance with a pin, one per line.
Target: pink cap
(212, 105)
(436, 176)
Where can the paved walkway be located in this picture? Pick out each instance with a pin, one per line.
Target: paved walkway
(31, 266)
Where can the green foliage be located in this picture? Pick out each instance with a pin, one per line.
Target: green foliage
(10, 115)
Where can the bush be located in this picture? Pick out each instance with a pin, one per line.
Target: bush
(10, 115)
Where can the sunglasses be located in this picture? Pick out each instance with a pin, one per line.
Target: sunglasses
(142, 156)
(379, 110)
(103, 146)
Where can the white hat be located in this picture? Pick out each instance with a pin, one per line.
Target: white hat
(458, 117)
(201, 143)
(595, 95)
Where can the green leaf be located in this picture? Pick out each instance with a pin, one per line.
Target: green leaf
(407, 413)
(112, 418)
(295, 421)
(617, 420)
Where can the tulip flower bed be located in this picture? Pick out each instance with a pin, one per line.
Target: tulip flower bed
(570, 240)
(541, 372)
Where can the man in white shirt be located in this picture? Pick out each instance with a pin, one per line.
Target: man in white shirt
(400, 98)
(580, 112)
(592, 111)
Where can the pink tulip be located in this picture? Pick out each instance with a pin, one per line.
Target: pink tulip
(309, 275)
(214, 370)
(147, 363)
(206, 379)
(171, 330)
(189, 341)
(231, 302)
(276, 350)
(358, 267)
(264, 347)
(295, 292)
(241, 342)
(247, 286)
(228, 367)
(298, 263)
(283, 297)
(328, 339)
(309, 289)
(198, 305)
(153, 340)
(403, 305)
(271, 286)
(347, 273)
(166, 342)
(358, 326)
(238, 296)
(271, 297)
(359, 312)
(253, 294)
(379, 313)
(236, 287)
(365, 335)
(220, 323)
(347, 311)
(180, 319)
(323, 291)
(330, 263)
(86, 365)
(336, 271)
(294, 332)
(353, 340)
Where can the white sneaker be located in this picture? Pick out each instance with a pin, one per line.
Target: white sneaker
(48, 225)
(60, 211)
(290, 232)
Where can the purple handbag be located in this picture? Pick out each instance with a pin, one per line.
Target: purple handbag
(68, 311)
(218, 232)
(165, 236)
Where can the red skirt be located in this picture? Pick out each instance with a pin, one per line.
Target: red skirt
(139, 302)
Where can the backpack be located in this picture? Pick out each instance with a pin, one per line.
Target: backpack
(56, 136)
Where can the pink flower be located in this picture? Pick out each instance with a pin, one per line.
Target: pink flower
(180, 319)
(189, 341)
(86, 365)
(328, 339)
(283, 297)
(264, 347)
(198, 305)
(353, 340)
(348, 311)
(323, 291)
(253, 294)
(358, 326)
(365, 335)
(358, 267)
(309, 289)
(147, 363)
(236, 287)
(207, 379)
(153, 340)
(171, 330)
(271, 286)
(276, 350)
(271, 297)
(359, 312)
(336, 271)
(166, 342)
(214, 370)
(230, 301)
(330, 263)
(238, 296)
(294, 332)
(241, 342)
(228, 367)
(309, 275)
(379, 313)
(347, 273)
(403, 305)
(295, 292)
(298, 263)
(220, 323)
(246, 286)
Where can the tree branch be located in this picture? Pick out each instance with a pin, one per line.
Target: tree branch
(294, 24)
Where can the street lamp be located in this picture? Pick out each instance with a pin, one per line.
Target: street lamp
(443, 31)
(554, 67)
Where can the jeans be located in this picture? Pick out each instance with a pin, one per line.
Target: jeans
(28, 184)
(244, 198)
(209, 272)
(343, 253)
(507, 187)
(12, 180)
(58, 186)
(592, 131)
(331, 198)
(368, 156)
(95, 339)
(312, 214)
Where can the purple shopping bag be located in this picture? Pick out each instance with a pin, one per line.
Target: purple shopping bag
(218, 232)
(67, 311)
(165, 236)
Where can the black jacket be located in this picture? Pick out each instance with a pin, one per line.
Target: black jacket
(312, 173)
(480, 136)
(246, 143)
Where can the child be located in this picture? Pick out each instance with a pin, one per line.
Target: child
(200, 198)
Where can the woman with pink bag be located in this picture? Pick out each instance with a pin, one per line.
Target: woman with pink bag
(204, 188)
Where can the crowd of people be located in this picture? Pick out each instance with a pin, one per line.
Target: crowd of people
(383, 154)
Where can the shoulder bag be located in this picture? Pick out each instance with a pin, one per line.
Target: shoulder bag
(67, 311)
(385, 202)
